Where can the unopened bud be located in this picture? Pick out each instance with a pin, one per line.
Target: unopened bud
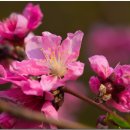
(101, 123)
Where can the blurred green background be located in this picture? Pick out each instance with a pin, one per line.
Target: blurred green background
(63, 17)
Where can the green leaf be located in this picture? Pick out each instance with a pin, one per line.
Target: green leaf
(122, 123)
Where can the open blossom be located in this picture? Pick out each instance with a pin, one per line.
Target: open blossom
(51, 61)
(18, 25)
(49, 65)
(111, 85)
(105, 40)
(37, 103)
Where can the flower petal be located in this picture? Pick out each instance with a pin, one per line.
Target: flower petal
(33, 45)
(6, 76)
(71, 45)
(7, 121)
(117, 106)
(34, 15)
(14, 26)
(122, 75)
(123, 103)
(100, 65)
(21, 26)
(29, 67)
(49, 110)
(75, 69)
(31, 87)
(48, 82)
(94, 84)
(37, 47)
(16, 96)
(50, 41)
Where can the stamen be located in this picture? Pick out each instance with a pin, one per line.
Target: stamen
(102, 90)
(56, 63)
(106, 97)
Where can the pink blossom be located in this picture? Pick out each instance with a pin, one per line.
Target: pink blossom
(111, 85)
(51, 67)
(36, 103)
(100, 65)
(18, 25)
(122, 74)
(53, 62)
(123, 101)
(110, 41)
(33, 15)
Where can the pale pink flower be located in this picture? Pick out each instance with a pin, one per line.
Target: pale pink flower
(54, 62)
(37, 103)
(18, 25)
(100, 65)
(50, 68)
(111, 85)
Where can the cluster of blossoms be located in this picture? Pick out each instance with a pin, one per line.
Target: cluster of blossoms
(112, 85)
(14, 29)
(47, 65)
(39, 66)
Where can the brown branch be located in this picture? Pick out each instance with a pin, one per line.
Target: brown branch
(36, 116)
(92, 102)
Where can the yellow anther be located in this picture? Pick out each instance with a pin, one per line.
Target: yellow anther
(106, 97)
(102, 89)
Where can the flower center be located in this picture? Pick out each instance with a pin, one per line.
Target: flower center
(56, 64)
(105, 91)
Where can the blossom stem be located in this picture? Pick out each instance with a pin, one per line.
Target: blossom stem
(92, 102)
(36, 116)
